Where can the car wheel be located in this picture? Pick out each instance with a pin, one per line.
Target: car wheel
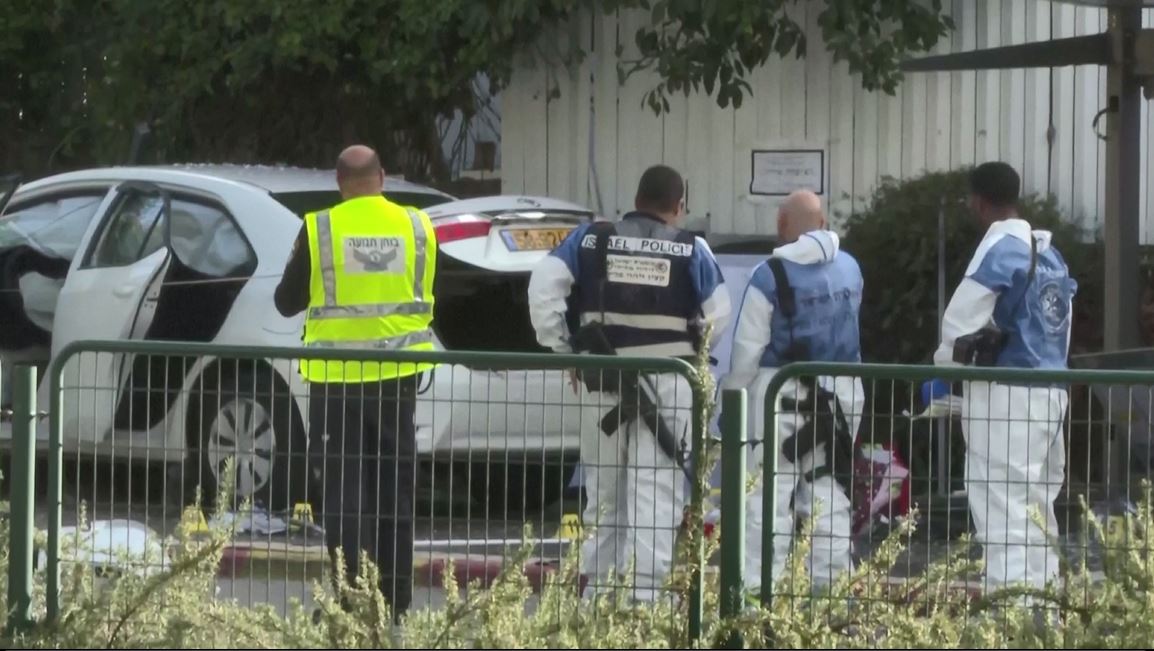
(246, 419)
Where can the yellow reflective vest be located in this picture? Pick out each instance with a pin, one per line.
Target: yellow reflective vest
(371, 287)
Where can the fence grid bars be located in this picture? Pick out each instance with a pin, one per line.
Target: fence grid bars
(137, 430)
(959, 442)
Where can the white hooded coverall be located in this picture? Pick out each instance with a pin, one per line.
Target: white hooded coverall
(831, 528)
(1015, 455)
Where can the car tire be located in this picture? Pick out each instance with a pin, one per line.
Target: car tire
(253, 419)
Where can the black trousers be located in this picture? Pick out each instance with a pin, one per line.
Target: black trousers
(364, 441)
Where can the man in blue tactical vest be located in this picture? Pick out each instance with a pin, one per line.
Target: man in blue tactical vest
(1011, 310)
(637, 287)
(802, 304)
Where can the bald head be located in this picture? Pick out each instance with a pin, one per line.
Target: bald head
(359, 172)
(799, 214)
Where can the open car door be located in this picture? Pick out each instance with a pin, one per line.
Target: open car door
(105, 296)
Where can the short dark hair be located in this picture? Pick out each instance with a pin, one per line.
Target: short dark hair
(660, 189)
(996, 182)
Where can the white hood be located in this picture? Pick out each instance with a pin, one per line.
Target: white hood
(813, 247)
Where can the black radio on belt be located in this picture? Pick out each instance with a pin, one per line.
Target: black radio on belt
(981, 348)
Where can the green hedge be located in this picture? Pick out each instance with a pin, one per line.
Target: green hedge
(895, 239)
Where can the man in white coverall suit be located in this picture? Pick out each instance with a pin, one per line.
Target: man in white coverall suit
(1012, 310)
(643, 288)
(824, 295)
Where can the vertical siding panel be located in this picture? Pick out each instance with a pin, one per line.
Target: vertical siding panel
(841, 141)
(963, 87)
(793, 95)
(1035, 167)
(865, 143)
(744, 139)
(605, 113)
(642, 128)
(1012, 108)
(720, 212)
(938, 135)
(989, 84)
(537, 128)
(675, 134)
(1084, 202)
(769, 84)
(1098, 205)
(911, 117)
(890, 144)
(580, 98)
(561, 89)
(701, 110)
(1062, 112)
(1148, 129)
(818, 108)
(513, 119)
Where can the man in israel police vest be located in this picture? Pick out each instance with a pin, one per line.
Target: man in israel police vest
(363, 270)
(802, 305)
(637, 287)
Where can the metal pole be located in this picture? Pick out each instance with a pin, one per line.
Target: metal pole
(943, 438)
(733, 443)
(1123, 181)
(23, 485)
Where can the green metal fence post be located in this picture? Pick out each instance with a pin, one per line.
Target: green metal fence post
(733, 443)
(55, 482)
(23, 490)
(697, 589)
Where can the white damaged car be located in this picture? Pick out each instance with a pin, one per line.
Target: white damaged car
(194, 253)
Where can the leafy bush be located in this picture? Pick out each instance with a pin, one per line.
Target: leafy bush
(895, 239)
(864, 609)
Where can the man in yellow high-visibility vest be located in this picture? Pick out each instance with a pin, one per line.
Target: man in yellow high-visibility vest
(364, 270)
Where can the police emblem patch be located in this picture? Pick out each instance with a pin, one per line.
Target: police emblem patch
(1055, 307)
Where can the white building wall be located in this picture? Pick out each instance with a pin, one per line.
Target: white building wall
(1038, 120)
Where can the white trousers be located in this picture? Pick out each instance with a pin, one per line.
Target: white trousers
(636, 493)
(1015, 463)
(823, 504)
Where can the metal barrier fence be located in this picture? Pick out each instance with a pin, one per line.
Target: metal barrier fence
(137, 430)
(968, 452)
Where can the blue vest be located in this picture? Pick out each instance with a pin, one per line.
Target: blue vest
(1035, 314)
(648, 297)
(828, 303)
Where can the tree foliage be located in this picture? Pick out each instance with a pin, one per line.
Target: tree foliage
(292, 80)
(715, 44)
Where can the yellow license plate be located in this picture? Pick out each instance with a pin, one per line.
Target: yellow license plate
(534, 239)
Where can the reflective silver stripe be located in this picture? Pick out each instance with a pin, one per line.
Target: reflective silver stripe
(639, 321)
(378, 310)
(395, 343)
(674, 349)
(325, 253)
(419, 244)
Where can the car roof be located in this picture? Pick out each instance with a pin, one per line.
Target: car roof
(273, 179)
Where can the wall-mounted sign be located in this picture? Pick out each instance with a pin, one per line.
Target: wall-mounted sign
(778, 172)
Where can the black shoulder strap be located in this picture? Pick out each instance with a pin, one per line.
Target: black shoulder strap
(785, 297)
